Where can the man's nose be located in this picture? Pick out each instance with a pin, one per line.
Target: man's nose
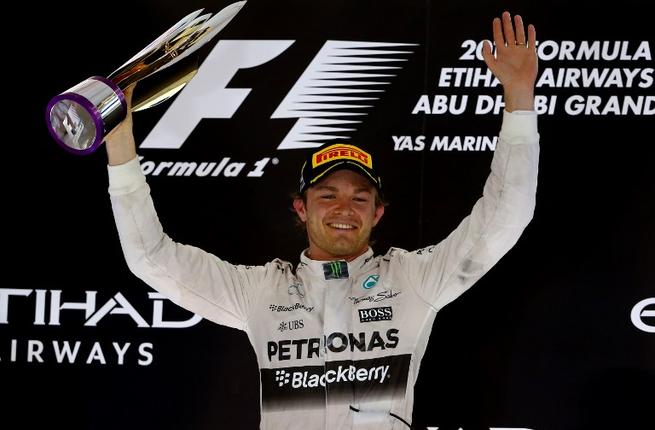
(344, 206)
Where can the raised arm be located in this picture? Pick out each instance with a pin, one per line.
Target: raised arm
(192, 278)
(442, 272)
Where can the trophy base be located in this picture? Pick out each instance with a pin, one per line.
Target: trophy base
(79, 118)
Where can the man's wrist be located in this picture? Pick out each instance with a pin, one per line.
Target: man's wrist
(519, 125)
(519, 99)
(126, 177)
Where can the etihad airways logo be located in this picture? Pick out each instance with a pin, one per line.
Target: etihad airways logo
(54, 308)
(641, 316)
(337, 88)
(47, 306)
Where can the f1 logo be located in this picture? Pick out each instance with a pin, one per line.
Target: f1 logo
(334, 90)
(206, 96)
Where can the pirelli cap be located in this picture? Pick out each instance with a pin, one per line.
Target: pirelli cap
(329, 158)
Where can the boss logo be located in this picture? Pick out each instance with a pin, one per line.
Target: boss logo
(375, 314)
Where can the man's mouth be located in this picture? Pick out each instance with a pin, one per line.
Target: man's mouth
(341, 226)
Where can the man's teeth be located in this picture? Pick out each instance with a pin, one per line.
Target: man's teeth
(341, 226)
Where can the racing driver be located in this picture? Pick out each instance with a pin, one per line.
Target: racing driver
(339, 338)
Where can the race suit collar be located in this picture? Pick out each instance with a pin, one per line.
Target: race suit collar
(337, 269)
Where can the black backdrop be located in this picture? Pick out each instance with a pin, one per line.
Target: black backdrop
(544, 341)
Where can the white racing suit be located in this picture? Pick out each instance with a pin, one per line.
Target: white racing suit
(338, 344)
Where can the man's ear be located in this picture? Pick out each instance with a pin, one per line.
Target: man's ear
(300, 209)
(379, 211)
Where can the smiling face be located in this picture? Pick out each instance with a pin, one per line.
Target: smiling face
(339, 213)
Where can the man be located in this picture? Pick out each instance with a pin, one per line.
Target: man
(339, 340)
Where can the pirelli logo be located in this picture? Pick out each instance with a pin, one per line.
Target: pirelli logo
(342, 152)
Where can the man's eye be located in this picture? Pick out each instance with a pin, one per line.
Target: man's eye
(327, 196)
(360, 199)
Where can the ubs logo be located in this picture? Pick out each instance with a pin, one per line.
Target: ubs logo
(291, 325)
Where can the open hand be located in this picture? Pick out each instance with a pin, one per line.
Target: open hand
(515, 63)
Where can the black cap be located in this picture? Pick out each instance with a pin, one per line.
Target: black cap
(331, 157)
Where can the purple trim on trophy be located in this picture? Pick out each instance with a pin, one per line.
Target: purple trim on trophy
(86, 104)
(114, 87)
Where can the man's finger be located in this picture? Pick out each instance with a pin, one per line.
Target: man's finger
(487, 53)
(499, 40)
(508, 31)
(532, 36)
(520, 31)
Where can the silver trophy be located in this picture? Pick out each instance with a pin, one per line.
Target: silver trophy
(79, 118)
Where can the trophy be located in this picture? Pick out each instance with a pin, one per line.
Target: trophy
(79, 118)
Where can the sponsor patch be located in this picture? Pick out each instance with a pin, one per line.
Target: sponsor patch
(304, 387)
(370, 282)
(290, 308)
(291, 325)
(335, 270)
(375, 314)
(342, 152)
(336, 342)
(382, 295)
